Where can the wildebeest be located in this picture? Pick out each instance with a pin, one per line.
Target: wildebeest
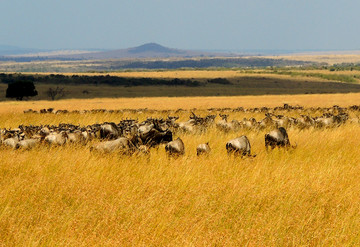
(203, 149)
(304, 122)
(153, 134)
(11, 142)
(175, 148)
(44, 131)
(239, 146)
(226, 126)
(266, 122)
(75, 137)
(329, 120)
(250, 123)
(196, 124)
(277, 138)
(155, 137)
(28, 143)
(109, 131)
(188, 126)
(121, 144)
(57, 138)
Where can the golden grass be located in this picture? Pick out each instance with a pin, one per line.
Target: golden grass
(70, 196)
(173, 103)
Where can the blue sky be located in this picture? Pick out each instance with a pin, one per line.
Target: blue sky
(187, 24)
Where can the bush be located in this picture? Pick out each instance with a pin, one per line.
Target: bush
(21, 89)
(219, 81)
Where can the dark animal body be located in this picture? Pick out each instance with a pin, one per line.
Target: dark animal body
(239, 146)
(277, 138)
(109, 131)
(154, 137)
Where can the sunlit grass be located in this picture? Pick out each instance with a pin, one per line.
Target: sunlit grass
(69, 196)
(174, 103)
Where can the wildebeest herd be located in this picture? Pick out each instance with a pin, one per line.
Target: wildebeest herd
(129, 136)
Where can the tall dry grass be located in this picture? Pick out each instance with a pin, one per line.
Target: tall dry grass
(69, 196)
(173, 103)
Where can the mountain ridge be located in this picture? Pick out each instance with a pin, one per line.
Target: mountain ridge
(148, 50)
(153, 47)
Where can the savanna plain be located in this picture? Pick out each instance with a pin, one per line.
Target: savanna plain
(70, 196)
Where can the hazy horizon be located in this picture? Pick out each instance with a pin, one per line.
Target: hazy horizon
(257, 25)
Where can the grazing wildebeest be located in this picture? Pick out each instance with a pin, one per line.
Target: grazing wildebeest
(250, 123)
(239, 146)
(203, 149)
(266, 122)
(86, 136)
(329, 120)
(75, 137)
(170, 121)
(196, 124)
(188, 126)
(277, 138)
(154, 137)
(121, 144)
(304, 121)
(223, 124)
(109, 131)
(57, 138)
(44, 131)
(175, 148)
(11, 142)
(28, 143)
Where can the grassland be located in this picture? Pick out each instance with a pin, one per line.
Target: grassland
(241, 82)
(113, 65)
(330, 58)
(68, 196)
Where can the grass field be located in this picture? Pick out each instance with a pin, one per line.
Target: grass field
(173, 103)
(329, 58)
(68, 196)
(242, 82)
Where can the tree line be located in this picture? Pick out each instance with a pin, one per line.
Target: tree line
(97, 80)
(22, 86)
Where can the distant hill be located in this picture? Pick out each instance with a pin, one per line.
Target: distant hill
(150, 50)
(153, 47)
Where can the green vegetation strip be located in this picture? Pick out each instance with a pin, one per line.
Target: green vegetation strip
(330, 77)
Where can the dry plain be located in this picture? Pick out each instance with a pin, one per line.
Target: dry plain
(70, 196)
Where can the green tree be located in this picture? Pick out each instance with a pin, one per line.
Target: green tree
(21, 89)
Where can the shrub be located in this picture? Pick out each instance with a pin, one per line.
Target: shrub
(21, 89)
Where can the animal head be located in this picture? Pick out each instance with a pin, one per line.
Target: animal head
(223, 116)
(283, 131)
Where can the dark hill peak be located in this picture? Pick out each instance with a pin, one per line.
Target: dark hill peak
(149, 50)
(153, 47)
